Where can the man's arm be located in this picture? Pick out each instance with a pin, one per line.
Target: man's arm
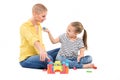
(42, 51)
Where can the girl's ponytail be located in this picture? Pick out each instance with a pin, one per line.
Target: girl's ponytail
(85, 39)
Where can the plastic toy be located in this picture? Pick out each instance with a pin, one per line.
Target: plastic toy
(44, 28)
(57, 67)
(74, 68)
(94, 67)
(88, 71)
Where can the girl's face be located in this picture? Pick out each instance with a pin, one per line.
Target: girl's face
(40, 17)
(71, 32)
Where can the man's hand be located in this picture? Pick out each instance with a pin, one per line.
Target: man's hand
(43, 56)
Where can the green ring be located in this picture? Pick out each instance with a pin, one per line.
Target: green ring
(89, 71)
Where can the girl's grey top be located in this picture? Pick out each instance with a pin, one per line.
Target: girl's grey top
(69, 49)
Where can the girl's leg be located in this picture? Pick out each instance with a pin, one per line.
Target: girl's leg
(34, 62)
(72, 62)
(53, 53)
(85, 60)
(88, 66)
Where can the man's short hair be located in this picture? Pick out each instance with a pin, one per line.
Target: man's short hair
(39, 8)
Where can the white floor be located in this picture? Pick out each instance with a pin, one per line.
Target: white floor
(19, 73)
(101, 19)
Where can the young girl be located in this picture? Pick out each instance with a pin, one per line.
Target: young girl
(71, 44)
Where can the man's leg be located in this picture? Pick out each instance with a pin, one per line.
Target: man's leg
(34, 62)
(53, 53)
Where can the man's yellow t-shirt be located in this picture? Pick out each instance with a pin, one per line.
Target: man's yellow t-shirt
(28, 36)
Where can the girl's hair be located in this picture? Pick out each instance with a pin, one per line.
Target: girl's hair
(39, 8)
(79, 27)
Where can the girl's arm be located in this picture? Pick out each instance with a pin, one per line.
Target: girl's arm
(54, 41)
(81, 54)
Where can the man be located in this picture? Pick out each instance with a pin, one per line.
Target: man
(32, 50)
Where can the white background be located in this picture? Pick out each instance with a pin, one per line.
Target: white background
(101, 19)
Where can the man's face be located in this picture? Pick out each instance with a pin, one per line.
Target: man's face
(40, 17)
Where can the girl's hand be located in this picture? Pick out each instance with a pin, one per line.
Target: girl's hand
(81, 54)
(78, 59)
(46, 29)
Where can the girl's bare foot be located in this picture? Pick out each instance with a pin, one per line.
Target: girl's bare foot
(89, 66)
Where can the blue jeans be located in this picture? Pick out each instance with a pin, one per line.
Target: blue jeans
(34, 61)
(73, 61)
